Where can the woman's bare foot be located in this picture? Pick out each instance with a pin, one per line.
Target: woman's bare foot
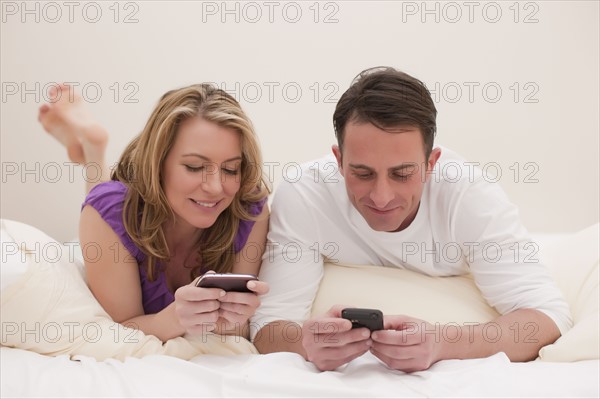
(67, 119)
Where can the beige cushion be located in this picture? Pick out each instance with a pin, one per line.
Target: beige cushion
(399, 291)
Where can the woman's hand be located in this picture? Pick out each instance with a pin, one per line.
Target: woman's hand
(200, 310)
(197, 308)
(237, 307)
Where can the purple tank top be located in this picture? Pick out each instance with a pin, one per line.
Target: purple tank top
(108, 199)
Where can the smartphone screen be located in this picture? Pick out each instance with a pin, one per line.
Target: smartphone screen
(226, 281)
(361, 317)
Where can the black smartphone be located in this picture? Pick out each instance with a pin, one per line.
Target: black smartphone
(360, 317)
(226, 281)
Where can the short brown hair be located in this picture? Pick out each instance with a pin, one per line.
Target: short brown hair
(387, 98)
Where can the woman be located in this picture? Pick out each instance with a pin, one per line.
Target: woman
(187, 196)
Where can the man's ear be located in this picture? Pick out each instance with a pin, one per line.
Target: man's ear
(433, 158)
(338, 157)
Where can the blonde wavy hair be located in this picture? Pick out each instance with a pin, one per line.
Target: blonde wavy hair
(140, 167)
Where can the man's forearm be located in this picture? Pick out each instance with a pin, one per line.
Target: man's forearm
(280, 336)
(520, 334)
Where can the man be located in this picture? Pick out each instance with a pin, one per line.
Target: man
(382, 188)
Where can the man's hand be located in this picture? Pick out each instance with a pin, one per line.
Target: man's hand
(406, 343)
(330, 341)
(410, 344)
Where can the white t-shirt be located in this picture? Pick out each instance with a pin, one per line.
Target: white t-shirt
(464, 224)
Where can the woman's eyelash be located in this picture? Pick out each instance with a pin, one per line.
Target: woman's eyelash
(200, 168)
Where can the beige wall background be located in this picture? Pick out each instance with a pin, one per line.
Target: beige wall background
(516, 85)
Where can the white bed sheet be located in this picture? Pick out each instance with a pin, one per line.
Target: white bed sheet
(27, 374)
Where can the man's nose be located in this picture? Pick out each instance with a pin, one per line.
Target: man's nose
(382, 193)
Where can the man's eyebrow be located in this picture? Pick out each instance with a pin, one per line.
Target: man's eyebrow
(405, 166)
(401, 167)
(359, 166)
(194, 154)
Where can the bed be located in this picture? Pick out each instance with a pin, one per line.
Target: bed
(50, 350)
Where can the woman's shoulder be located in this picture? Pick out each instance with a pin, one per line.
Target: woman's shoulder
(108, 199)
(106, 195)
(111, 188)
(256, 207)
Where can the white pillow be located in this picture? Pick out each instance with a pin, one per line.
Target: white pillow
(47, 308)
(14, 264)
(574, 262)
(572, 259)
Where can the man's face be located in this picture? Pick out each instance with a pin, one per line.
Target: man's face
(384, 173)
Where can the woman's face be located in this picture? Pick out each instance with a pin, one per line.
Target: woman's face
(201, 174)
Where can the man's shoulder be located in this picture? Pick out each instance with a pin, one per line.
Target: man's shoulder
(325, 164)
(315, 175)
(461, 187)
(316, 183)
(453, 173)
(455, 178)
